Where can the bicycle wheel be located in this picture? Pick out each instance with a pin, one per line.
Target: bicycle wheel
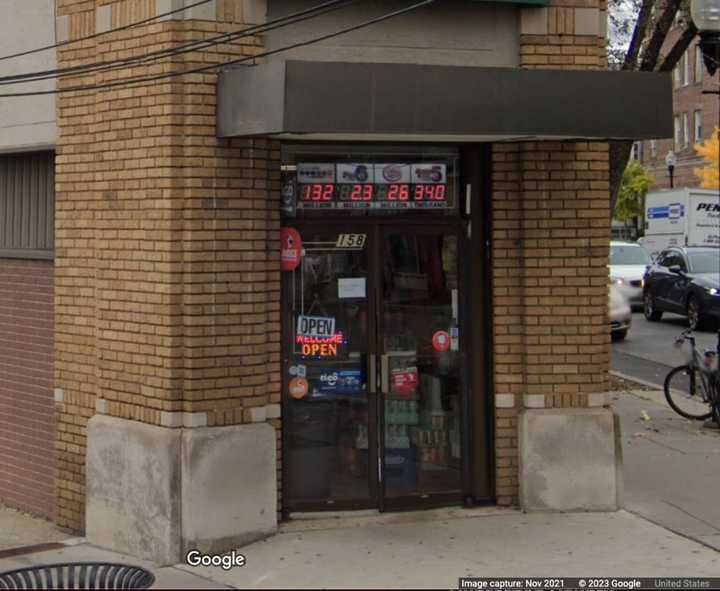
(685, 393)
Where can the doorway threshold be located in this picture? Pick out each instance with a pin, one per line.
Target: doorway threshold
(350, 519)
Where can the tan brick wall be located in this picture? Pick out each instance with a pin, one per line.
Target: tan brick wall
(168, 280)
(167, 283)
(550, 246)
(567, 34)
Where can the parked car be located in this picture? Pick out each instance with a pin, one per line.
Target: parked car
(620, 313)
(627, 266)
(684, 280)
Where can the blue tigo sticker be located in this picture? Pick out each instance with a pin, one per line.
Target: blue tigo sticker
(329, 382)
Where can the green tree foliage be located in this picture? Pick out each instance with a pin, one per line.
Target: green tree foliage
(634, 186)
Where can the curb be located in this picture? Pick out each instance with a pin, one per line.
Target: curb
(35, 548)
(624, 376)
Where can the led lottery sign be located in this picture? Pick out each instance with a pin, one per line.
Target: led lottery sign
(364, 185)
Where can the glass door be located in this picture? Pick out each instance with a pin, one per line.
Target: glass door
(329, 425)
(372, 380)
(419, 347)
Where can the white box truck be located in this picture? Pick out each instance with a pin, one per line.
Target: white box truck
(681, 217)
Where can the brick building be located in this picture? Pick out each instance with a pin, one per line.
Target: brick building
(367, 272)
(695, 116)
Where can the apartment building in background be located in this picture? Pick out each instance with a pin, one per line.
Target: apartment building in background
(695, 117)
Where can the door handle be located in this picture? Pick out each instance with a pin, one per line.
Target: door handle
(372, 374)
(385, 374)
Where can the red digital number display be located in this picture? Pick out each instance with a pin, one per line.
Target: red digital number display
(361, 193)
(368, 196)
(398, 192)
(429, 193)
(357, 192)
(318, 192)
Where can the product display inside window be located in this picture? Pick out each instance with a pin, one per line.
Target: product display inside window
(422, 396)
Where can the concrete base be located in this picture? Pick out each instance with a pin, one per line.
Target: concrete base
(569, 460)
(156, 492)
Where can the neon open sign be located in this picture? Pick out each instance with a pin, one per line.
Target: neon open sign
(319, 346)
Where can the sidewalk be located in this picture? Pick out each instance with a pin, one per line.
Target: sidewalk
(670, 465)
(19, 529)
(432, 550)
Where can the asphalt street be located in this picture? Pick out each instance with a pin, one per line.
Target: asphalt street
(671, 465)
(649, 352)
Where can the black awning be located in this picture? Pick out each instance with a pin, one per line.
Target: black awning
(332, 100)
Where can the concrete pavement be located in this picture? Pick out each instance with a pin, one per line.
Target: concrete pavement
(20, 529)
(670, 466)
(423, 552)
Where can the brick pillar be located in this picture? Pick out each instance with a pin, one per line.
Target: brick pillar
(550, 248)
(167, 282)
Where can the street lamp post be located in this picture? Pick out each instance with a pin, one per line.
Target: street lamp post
(670, 161)
(706, 16)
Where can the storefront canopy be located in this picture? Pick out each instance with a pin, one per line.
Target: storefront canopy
(408, 102)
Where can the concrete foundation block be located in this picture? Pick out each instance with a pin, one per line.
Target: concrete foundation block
(155, 492)
(133, 488)
(229, 486)
(568, 460)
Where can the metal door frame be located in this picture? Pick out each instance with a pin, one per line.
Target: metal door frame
(475, 304)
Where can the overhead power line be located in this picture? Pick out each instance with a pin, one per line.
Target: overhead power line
(198, 45)
(95, 35)
(139, 82)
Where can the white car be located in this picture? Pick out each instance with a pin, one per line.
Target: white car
(628, 263)
(620, 313)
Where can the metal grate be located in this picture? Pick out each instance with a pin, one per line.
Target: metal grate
(78, 575)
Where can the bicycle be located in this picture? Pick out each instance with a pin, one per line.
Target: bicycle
(691, 388)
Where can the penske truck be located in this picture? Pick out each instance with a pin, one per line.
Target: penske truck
(681, 217)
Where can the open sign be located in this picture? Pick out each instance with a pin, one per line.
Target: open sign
(315, 326)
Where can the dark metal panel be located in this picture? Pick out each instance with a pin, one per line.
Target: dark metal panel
(27, 203)
(426, 101)
(259, 105)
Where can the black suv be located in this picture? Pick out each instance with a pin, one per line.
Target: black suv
(684, 280)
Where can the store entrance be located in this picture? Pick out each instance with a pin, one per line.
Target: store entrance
(373, 392)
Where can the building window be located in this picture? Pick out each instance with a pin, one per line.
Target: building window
(676, 75)
(685, 131)
(636, 151)
(27, 205)
(685, 69)
(697, 120)
(698, 64)
(653, 149)
(676, 122)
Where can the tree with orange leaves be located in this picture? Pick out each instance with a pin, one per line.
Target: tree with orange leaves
(709, 174)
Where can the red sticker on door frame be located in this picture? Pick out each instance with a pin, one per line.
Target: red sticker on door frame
(290, 249)
(441, 340)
